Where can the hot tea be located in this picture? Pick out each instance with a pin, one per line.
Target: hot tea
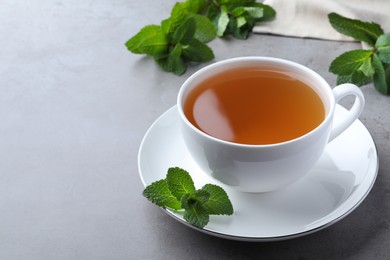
(250, 105)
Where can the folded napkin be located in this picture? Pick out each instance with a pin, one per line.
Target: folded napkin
(309, 18)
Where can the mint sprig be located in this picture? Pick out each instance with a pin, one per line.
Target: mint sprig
(363, 66)
(362, 31)
(182, 37)
(177, 192)
(238, 17)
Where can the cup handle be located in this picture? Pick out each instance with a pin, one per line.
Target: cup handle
(340, 92)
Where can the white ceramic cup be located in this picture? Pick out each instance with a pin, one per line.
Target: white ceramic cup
(263, 168)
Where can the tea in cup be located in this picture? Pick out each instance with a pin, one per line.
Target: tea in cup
(259, 123)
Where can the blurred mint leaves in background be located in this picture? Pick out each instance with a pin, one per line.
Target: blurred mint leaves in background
(182, 38)
(363, 66)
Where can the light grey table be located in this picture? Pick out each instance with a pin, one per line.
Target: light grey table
(74, 106)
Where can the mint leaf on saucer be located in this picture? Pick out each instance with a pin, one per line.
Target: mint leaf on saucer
(180, 182)
(159, 193)
(197, 217)
(195, 212)
(218, 202)
(195, 199)
(178, 192)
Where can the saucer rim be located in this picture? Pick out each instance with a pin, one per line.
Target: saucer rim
(262, 238)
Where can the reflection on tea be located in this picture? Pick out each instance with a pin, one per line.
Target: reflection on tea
(254, 106)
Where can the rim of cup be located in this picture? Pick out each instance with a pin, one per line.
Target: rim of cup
(305, 74)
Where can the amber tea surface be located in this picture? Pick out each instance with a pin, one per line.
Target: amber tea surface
(254, 106)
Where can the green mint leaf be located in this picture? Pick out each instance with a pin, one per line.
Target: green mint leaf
(159, 193)
(383, 47)
(150, 40)
(359, 78)
(238, 11)
(241, 21)
(241, 33)
(185, 32)
(173, 43)
(222, 21)
(172, 61)
(240, 27)
(384, 54)
(218, 203)
(166, 26)
(359, 30)
(195, 6)
(380, 81)
(367, 68)
(177, 192)
(213, 11)
(195, 212)
(179, 182)
(205, 30)
(197, 198)
(178, 16)
(341, 79)
(180, 12)
(197, 216)
(255, 12)
(383, 40)
(348, 62)
(175, 62)
(268, 12)
(197, 51)
(162, 61)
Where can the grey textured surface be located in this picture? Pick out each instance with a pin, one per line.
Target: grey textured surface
(74, 106)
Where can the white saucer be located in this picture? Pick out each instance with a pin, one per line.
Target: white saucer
(334, 188)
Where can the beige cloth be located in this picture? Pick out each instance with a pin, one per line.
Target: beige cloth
(309, 18)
